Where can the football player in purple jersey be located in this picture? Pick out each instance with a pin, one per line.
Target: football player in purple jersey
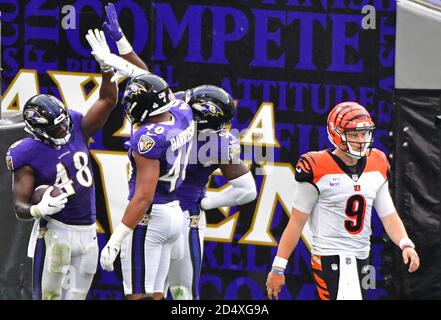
(57, 154)
(162, 133)
(213, 109)
(152, 221)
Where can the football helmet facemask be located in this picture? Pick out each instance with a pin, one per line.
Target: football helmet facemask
(48, 119)
(146, 95)
(350, 129)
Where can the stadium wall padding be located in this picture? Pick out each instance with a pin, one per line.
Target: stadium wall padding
(15, 267)
(417, 185)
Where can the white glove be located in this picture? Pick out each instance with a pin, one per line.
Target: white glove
(48, 205)
(122, 67)
(100, 49)
(113, 246)
(108, 255)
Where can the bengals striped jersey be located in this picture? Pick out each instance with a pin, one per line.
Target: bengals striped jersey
(340, 218)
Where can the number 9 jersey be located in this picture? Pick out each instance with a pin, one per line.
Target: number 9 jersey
(340, 219)
(67, 166)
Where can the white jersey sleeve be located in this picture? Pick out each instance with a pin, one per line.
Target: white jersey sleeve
(383, 201)
(305, 197)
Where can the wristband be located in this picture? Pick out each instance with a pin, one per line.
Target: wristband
(119, 234)
(277, 271)
(124, 46)
(406, 243)
(280, 263)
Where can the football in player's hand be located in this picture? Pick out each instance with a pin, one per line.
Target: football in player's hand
(40, 190)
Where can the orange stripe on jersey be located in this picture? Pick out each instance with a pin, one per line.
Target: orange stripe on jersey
(323, 294)
(322, 164)
(320, 282)
(377, 161)
(304, 165)
(316, 262)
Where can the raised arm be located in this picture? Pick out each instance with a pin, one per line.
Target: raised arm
(100, 111)
(111, 26)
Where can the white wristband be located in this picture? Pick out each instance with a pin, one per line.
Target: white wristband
(280, 262)
(124, 46)
(406, 242)
(118, 235)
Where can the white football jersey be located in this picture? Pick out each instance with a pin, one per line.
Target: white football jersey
(340, 221)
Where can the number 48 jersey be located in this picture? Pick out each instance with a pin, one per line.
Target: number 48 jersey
(340, 221)
(68, 167)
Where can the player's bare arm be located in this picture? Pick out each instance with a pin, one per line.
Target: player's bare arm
(98, 114)
(111, 26)
(23, 185)
(397, 233)
(146, 181)
(288, 241)
(147, 176)
(232, 171)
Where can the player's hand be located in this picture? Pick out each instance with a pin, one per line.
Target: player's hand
(100, 49)
(48, 204)
(410, 254)
(111, 25)
(122, 67)
(274, 284)
(108, 255)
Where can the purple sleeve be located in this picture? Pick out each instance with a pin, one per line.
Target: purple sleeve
(18, 155)
(147, 145)
(76, 116)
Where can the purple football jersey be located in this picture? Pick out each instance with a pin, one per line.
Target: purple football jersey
(213, 148)
(170, 143)
(68, 167)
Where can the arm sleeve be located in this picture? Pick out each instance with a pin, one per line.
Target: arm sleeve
(383, 201)
(243, 191)
(17, 155)
(305, 197)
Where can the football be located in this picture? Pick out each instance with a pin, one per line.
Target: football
(40, 190)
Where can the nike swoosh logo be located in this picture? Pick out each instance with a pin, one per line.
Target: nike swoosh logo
(298, 170)
(94, 238)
